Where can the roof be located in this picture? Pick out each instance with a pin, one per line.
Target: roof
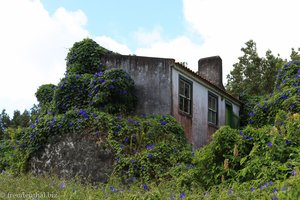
(207, 82)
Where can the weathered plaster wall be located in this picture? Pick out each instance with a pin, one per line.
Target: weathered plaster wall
(152, 77)
(196, 125)
(73, 155)
(197, 129)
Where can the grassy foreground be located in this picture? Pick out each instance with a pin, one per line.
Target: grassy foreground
(33, 187)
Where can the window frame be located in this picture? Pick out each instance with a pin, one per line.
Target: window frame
(216, 111)
(190, 99)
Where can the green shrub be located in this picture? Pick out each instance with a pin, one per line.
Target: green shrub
(286, 96)
(146, 148)
(44, 95)
(72, 92)
(85, 57)
(113, 91)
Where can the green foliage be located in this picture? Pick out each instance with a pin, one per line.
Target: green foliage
(85, 57)
(257, 155)
(285, 96)
(113, 91)
(44, 95)
(248, 103)
(4, 122)
(208, 162)
(147, 147)
(253, 75)
(72, 92)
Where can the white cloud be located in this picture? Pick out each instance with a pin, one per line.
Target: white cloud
(147, 38)
(112, 45)
(226, 25)
(181, 48)
(33, 48)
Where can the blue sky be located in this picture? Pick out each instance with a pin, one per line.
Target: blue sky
(36, 35)
(121, 19)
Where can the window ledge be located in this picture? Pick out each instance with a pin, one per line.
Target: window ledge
(185, 114)
(213, 125)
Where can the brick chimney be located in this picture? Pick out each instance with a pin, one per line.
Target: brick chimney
(210, 68)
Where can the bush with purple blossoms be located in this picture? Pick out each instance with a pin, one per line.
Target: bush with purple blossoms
(112, 91)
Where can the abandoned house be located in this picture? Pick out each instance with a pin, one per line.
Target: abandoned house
(197, 100)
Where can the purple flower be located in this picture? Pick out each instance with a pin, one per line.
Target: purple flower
(3, 172)
(150, 155)
(298, 72)
(118, 117)
(62, 186)
(275, 198)
(150, 146)
(145, 186)
(270, 144)
(83, 113)
(99, 74)
(32, 126)
(263, 185)
(287, 142)
(172, 197)
(162, 122)
(122, 146)
(230, 191)
(126, 140)
(251, 114)
(119, 127)
(274, 190)
(182, 195)
(250, 138)
(294, 172)
(112, 189)
(252, 189)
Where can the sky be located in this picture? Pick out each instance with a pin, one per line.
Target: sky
(35, 35)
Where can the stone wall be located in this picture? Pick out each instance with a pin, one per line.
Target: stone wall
(72, 155)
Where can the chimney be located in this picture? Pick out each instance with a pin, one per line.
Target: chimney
(210, 68)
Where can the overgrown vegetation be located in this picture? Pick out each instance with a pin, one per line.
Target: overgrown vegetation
(152, 158)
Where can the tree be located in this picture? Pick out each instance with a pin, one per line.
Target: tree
(295, 55)
(20, 120)
(4, 122)
(253, 75)
(270, 66)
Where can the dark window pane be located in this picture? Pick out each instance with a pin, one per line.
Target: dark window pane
(181, 99)
(187, 90)
(181, 87)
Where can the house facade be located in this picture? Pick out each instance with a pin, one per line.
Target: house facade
(197, 100)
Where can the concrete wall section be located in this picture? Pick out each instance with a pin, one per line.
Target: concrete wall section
(152, 77)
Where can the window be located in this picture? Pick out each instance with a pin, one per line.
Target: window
(212, 109)
(185, 95)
